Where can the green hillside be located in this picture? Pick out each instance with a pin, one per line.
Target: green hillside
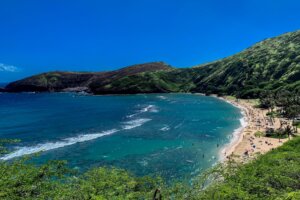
(268, 65)
(80, 81)
(272, 64)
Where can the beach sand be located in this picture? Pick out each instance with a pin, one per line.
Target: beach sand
(245, 145)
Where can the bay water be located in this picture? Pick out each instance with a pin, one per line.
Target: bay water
(172, 135)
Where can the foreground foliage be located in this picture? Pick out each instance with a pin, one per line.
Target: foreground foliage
(54, 181)
(275, 175)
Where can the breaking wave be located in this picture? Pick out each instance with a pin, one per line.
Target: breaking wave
(72, 140)
(162, 97)
(80, 138)
(148, 108)
(165, 128)
(134, 123)
(54, 145)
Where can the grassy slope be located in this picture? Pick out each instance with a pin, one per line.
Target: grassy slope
(272, 64)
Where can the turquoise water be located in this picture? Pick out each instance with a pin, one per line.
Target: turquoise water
(174, 135)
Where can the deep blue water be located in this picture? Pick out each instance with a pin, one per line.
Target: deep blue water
(174, 135)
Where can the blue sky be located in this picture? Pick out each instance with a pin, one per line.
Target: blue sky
(97, 35)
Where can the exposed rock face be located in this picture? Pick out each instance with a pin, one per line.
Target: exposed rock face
(268, 65)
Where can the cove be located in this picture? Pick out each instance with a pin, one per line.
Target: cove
(172, 135)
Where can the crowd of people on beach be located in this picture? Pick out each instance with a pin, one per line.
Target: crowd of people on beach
(252, 140)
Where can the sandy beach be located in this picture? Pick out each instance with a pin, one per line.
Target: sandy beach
(246, 142)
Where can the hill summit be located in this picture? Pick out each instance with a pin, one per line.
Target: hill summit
(271, 64)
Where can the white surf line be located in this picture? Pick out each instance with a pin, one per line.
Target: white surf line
(22, 151)
(149, 108)
(237, 133)
(134, 123)
(165, 128)
(54, 145)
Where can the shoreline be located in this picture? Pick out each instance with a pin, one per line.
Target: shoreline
(245, 144)
(237, 134)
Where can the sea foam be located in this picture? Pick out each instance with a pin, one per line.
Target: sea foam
(134, 123)
(54, 145)
(162, 97)
(73, 140)
(148, 108)
(165, 128)
(243, 122)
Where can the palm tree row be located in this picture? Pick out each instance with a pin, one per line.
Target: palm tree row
(286, 104)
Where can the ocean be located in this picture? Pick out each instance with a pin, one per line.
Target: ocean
(171, 135)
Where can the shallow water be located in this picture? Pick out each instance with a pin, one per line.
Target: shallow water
(174, 135)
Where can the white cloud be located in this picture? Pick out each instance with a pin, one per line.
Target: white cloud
(8, 68)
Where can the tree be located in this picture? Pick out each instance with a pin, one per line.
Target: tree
(288, 131)
(292, 112)
(267, 100)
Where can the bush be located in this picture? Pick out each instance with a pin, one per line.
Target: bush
(259, 134)
(274, 175)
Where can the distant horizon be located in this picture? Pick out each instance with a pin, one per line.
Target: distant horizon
(98, 36)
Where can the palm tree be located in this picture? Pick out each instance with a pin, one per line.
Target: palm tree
(288, 131)
(292, 112)
(267, 100)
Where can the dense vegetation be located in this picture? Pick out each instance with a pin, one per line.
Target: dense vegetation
(54, 181)
(284, 104)
(273, 64)
(275, 175)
